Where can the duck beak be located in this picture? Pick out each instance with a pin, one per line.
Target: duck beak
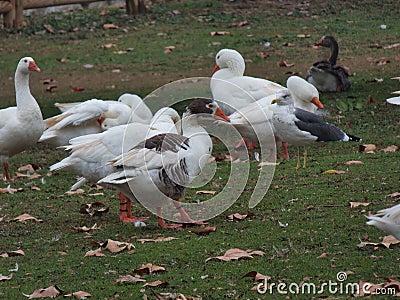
(317, 103)
(221, 114)
(216, 68)
(33, 67)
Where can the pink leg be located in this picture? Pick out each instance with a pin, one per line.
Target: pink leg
(285, 153)
(125, 210)
(161, 222)
(7, 174)
(184, 215)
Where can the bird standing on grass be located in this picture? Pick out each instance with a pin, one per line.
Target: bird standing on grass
(20, 126)
(302, 128)
(387, 220)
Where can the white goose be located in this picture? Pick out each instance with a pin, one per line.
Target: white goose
(87, 117)
(254, 122)
(231, 89)
(20, 126)
(89, 154)
(159, 169)
(300, 127)
(387, 220)
(394, 100)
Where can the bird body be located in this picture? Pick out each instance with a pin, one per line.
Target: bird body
(20, 126)
(387, 220)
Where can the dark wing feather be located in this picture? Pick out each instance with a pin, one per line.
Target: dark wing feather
(165, 142)
(339, 72)
(317, 126)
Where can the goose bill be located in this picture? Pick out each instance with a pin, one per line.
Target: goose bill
(216, 68)
(221, 114)
(33, 67)
(317, 103)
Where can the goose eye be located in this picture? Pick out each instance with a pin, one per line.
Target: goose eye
(211, 106)
(25, 60)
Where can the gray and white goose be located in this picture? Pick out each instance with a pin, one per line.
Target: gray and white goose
(161, 167)
(326, 75)
(302, 128)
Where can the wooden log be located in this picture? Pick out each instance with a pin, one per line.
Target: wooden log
(19, 13)
(5, 6)
(47, 3)
(134, 7)
(8, 18)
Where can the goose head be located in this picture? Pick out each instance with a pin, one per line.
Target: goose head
(231, 60)
(303, 91)
(205, 106)
(131, 100)
(329, 41)
(27, 64)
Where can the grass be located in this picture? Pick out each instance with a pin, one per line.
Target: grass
(314, 205)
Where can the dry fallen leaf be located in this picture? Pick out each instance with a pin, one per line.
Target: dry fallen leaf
(84, 228)
(110, 26)
(334, 172)
(240, 24)
(108, 46)
(206, 192)
(387, 241)
(96, 252)
(159, 239)
(303, 36)
(26, 217)
(353, 162)
(50, 292)
(174, 296)
(115, 246)
(395, 194)
(13, 253)
(236, 253)
(203, 230)
(10, 190)
(130, 279)
(148, 269)
(284, 63)
(239, 217)
(78, 191)
(214, 33)
(94, 208)
(27, 167)
(156, 283)
(323, 255)
(392, 148)
(367, 148)
(257, 276)
(4, 278)
(357, 204)
(79, 295)
(262, 54)
(49, 28)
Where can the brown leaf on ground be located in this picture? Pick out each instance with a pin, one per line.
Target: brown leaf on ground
(78, 191)
(26, 217)
(392, 148)
(129, 279)
(367, 148)
(262, 55)
(13, 253)
(174, 296)
(357, 204)
(51, 87)
(50, 292)
(240, 217)
(235, 254)
(323, 255)
(115, 246)
(206, 192)
(147, 269)
(214, 33)
(241, 24)
(79, 295)
(110, 26)
(353, 162)
(203, 230)
(85, 229)
(4, 278)
(27, 167)
(49, 28)
(94, 209)
(10, 190)
(108, 46)
(96, 252)
(159, 239)
(331, 171)
(387, 241)
(303, 36)
(169, 49)
(284, 63)
(156, 283)
(257, 276)
(395, 194)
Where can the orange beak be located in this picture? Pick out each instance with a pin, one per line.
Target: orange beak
(101, 120)
(317, 103)
(216, 68)
(319, 43)
(33, 67)
(221, 114)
